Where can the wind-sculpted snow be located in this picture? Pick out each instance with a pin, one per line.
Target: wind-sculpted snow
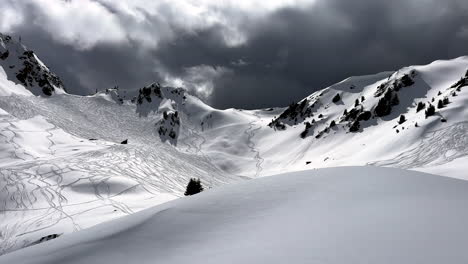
(334, 216)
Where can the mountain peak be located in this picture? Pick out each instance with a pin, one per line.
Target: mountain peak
(24, 67)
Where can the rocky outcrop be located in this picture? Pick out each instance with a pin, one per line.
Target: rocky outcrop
(24, 67)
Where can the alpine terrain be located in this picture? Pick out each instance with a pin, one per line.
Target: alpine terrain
(72, 163)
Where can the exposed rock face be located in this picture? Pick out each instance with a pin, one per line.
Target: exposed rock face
(146, 93)
(168, 127)
(24, 67)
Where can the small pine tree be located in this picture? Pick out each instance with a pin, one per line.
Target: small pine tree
(356, 103)
(333, 123)
(193, 187)
(420, 107)
(336, 98)
(430, 111)
(363, 98)
(446, 101)
(402, 119)
(440, 104)
(355, 127)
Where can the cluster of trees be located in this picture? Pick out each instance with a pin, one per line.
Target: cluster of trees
(385, 104)
(395, 85)
(430, 111)
(193, 187)
(356, 115)
(355, 126)
(443, 103)
(295, 112)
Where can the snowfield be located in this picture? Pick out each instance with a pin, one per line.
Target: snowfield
(70, 162)
(334, 215)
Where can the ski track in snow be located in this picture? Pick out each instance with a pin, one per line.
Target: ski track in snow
(67, 192)
(250, 132)
(33, 182)
(58, 181)
(194, 142)
(436, 147)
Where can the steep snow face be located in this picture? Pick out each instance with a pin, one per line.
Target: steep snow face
(8, 87)
(22, 66)
(334, 215)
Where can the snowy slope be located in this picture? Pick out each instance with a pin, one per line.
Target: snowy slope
(63, 167)
(59, 181)
(335, 215)
(382, 140)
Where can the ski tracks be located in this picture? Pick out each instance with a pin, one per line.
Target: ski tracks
(250, 132)
(435, 148)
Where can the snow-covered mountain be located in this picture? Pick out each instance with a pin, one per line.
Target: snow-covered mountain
(69, 162)
(23, 66)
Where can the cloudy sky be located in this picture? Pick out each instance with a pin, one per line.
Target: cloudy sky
(234, 53)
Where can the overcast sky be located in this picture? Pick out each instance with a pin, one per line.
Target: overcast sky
(234, 53)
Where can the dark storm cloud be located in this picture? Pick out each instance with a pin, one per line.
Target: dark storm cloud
(292, 52)
(258, 60)
(104, 66)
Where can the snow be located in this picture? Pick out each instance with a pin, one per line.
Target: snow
(55, 179)
(63, 169)
(333, 215)
(8, 88)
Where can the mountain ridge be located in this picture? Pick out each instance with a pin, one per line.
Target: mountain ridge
(63, 167)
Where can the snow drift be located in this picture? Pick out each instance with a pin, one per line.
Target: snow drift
(335, 215)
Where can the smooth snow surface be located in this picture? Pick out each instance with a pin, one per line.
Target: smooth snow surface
(334, 216)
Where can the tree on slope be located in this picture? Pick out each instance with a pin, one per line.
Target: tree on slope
(193, 187)
(430, 111)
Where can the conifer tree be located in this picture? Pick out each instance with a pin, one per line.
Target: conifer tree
(336, 98)
(420, 107)
(402, 119)
(193, 187)
(440, 104)
(430, 111)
